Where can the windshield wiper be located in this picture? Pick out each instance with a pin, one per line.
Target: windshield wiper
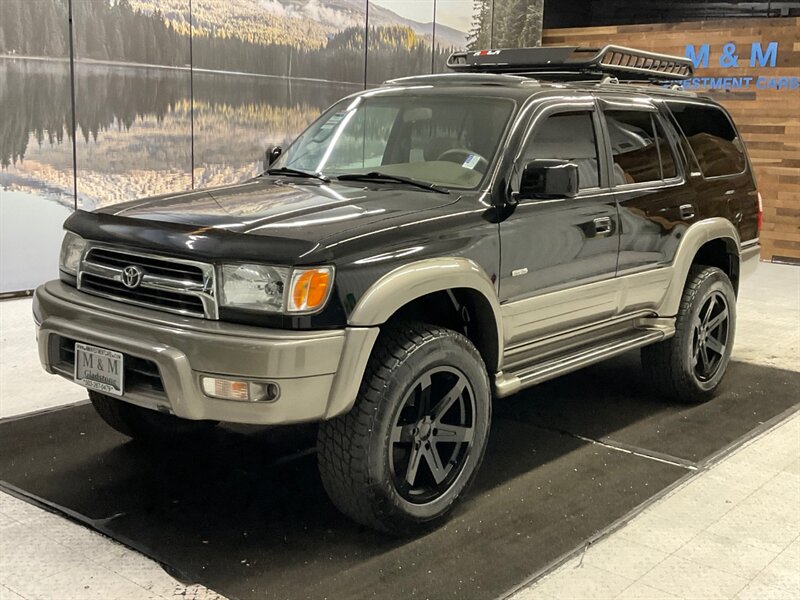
(297, 173)
(377, 176)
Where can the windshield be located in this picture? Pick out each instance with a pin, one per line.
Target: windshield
(446, 140)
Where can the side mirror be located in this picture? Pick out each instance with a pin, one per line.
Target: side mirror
(271, 155)
(548, 179)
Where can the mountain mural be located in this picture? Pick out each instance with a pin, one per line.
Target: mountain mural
(290, 21)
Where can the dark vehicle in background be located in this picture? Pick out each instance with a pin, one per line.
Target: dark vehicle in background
(421, 249)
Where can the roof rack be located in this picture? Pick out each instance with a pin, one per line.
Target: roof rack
(575, 63)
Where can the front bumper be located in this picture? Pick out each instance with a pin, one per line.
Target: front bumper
(318, 372)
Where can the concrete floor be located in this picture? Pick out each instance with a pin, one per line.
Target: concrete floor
(732, 531)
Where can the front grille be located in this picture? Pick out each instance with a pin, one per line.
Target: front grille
(157, 266)
(140, 375)
(153, 297)
(170, 284)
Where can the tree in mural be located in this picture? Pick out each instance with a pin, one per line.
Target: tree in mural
(480, 34)
(506, 24)
(517, 23)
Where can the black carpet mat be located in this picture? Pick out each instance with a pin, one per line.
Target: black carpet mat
(245, 513)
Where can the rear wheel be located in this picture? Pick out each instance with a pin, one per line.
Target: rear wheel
(408, 450)
(689, 366)
(143, 423)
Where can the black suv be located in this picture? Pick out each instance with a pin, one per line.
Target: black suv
(422, 248)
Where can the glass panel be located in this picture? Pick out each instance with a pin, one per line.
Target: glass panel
(36, 177)
(517, 24)
(712, 137)
(262, 84)
(400, 39)
(567, 136)
(460, 25)
(437, 139)
(633, 145)
(133, 109)
(668, 165)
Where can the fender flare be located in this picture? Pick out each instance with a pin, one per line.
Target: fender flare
(414, 280)
(389, 294)
(696, 235)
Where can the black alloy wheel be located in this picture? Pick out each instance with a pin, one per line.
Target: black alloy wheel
(689, 366)
(406, 453)
(710, 336)
(432, 434)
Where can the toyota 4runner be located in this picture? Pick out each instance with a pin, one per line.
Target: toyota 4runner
(422, 248)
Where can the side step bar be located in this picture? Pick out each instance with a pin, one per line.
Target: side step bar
(509, 383)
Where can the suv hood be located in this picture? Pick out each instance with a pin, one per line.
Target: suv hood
(271, 207)
(283, 220)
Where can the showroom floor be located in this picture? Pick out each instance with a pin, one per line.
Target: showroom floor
(732, 530)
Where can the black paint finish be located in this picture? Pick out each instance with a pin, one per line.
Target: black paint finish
(246, 515)
(367, 229)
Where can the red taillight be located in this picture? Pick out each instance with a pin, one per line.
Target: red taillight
(760, 212)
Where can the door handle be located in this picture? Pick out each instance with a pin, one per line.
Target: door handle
(602, 226)
(687, 211)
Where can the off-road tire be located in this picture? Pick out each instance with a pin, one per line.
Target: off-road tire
(670, 364)
(142, 423)
(354, 449)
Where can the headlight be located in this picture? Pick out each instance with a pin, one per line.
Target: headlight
(256, 287)
(71, 253)
(275, 289)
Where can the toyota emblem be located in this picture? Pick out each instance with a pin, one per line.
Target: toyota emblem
(132, 277)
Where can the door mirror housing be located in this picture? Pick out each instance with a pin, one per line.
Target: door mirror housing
(548, 179)
(271, 155)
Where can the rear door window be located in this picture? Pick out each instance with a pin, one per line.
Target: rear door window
(712, 137)
(639, 147)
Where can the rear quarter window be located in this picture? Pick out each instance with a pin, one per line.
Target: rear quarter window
(713, 139)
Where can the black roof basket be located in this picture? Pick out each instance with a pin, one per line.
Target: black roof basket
(574, 63)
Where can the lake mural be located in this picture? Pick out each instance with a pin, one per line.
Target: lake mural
(168, 95)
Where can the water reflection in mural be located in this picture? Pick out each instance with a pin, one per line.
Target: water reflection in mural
(262, 84)
(36, 176)
(236, 117)
(132, 112)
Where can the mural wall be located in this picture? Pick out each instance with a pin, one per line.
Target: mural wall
(173, 94)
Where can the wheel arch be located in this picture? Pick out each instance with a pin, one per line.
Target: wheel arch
(460, 281)
(714, 242)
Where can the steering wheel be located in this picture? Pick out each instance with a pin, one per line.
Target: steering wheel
(459, 155)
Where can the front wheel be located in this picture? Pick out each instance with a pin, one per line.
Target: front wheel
(412, 444)
(689, 366)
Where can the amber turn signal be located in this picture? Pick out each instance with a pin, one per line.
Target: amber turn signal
(310, 289)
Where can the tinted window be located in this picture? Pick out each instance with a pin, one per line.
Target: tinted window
(712, 137)
(668, 166)
(640, 149)
(567, 136)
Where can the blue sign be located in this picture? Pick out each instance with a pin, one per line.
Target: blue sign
(756, 56)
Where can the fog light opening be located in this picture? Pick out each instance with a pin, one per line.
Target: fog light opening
(271, 392)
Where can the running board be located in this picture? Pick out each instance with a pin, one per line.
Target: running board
(506, 384)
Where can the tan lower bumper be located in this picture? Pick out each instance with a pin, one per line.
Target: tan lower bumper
(318, 372)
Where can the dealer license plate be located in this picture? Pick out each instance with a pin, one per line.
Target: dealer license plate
(98, 369)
